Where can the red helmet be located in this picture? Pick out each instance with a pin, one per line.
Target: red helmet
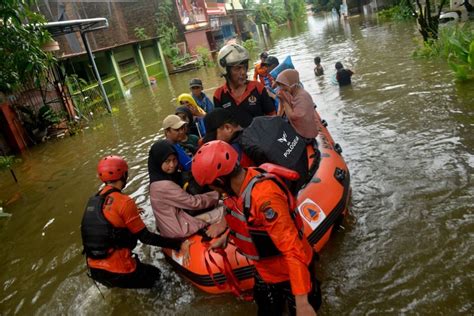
(112, 168)
(213, 160)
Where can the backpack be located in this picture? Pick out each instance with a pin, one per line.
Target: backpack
(273, 139)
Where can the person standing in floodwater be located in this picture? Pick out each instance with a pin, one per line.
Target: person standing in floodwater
(110, 229)
(318, 69)
(343, 76)
(244, 99)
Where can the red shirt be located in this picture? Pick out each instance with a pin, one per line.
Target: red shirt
(122, 212)
(255, 101)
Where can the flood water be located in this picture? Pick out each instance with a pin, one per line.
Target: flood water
(407, 131)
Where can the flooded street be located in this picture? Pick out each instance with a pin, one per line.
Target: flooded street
(407, 133)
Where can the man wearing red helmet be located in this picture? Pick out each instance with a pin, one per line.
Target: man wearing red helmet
(110, 228)
(265, 227)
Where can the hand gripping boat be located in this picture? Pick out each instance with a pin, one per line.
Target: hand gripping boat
(322, 203)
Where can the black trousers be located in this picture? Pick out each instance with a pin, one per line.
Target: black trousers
(272, 299)
(144, 276)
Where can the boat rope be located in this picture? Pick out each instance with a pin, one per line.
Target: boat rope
(231, 280)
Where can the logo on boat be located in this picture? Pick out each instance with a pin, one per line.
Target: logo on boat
(311, 213)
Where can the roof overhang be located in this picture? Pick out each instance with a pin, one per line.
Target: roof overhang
(72, 26)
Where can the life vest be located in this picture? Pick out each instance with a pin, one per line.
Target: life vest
(254, 241)
(99, 236)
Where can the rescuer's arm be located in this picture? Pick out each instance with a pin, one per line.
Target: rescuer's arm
(149, 238)
(134, 223)
(303, 307)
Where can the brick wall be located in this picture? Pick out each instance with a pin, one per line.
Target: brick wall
(123, 17)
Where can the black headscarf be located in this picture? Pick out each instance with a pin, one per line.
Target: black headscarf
(159, 152)
(185, 110)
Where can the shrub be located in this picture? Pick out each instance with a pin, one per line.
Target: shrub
(456, 45)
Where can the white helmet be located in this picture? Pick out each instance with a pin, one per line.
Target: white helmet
(231, 55)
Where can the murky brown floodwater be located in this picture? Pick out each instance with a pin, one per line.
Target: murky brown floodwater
(407, 130)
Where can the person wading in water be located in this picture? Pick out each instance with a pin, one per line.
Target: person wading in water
(110, 229)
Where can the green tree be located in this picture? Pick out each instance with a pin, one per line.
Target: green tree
(325, 5)
(21, 36)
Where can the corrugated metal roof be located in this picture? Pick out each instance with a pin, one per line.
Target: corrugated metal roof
(72, 26)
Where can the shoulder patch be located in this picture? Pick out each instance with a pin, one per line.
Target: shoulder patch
(270, 214)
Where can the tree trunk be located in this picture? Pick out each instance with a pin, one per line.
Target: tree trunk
(428, 24)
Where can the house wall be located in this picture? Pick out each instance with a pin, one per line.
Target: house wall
(195, 39)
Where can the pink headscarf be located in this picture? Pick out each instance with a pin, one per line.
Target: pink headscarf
(303, 117)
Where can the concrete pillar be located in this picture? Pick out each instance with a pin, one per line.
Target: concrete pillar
(116, 69)
(162, 57)
(141, 64)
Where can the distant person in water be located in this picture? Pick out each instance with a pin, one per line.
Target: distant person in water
(261, 68)
(318, 69)
(343, 76)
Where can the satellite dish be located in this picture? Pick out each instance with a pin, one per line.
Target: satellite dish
(185, 20)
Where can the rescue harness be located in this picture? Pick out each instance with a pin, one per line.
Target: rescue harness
(99, 236)
(253, 241)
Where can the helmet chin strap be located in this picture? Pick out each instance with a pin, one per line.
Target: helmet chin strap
(225, 182)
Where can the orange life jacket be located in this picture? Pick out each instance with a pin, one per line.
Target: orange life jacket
(253, 241)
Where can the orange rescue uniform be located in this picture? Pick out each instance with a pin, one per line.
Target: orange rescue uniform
(122, 212)
(296, 255)
(260, 72)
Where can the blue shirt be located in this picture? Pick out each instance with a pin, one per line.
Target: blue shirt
(205, 103)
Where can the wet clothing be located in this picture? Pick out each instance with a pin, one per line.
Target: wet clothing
(120, 268)
(169, 200)
(272, 298)
(144, 276)
(255, 101)
(122, 212)
(343, 77)
(269, 210)
(204, 102)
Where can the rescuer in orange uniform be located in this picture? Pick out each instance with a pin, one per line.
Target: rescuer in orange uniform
(110, 229)
(265, 228)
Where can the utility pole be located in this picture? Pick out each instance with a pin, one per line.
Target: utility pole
(234, 19)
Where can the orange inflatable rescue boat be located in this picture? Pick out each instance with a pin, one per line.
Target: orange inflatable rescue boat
(322, 203)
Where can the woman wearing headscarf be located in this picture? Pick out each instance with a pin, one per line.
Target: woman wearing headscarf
(296, 104)
(186, 100)
(176, 211)
(191, 141)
